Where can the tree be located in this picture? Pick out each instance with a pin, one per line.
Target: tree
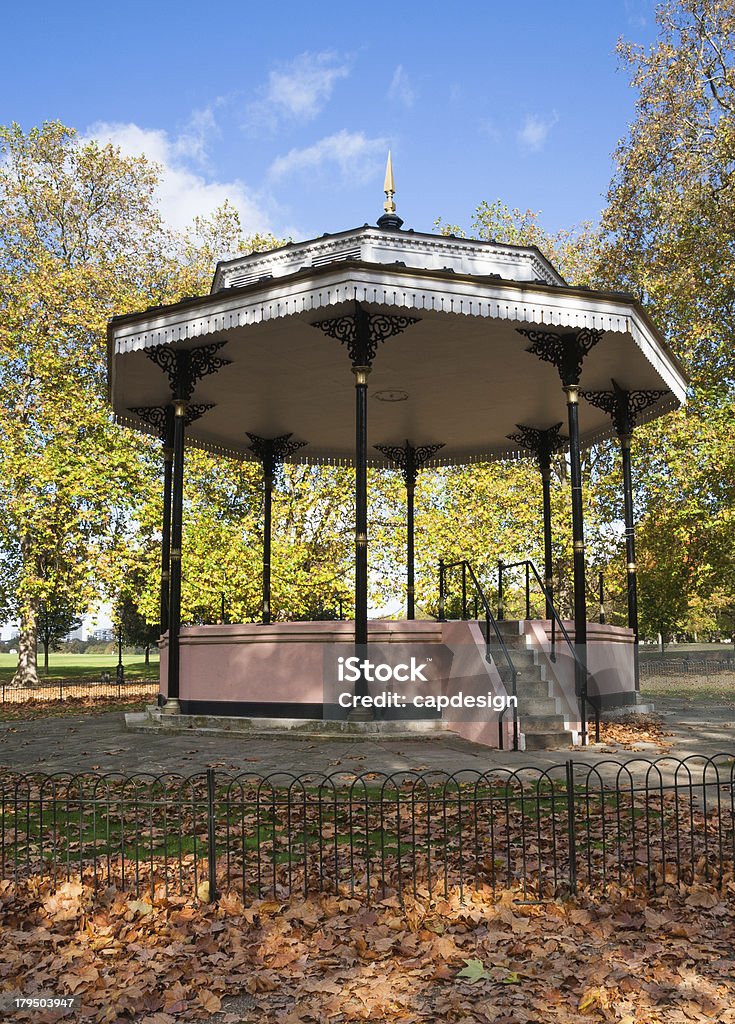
(56, 619)
(80, 239)
(670, 235)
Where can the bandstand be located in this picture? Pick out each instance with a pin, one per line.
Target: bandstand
(389, 347)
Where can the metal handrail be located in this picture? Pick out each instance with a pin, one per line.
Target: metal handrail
(467, 570)
(556, 620)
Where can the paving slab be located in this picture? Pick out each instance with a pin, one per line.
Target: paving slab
(102, 743)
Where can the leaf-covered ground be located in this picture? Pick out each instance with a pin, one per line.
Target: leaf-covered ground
(53, 707)
(662, 960)
(629, 731)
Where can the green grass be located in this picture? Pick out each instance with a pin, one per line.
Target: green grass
(695, 688)
(84, 666)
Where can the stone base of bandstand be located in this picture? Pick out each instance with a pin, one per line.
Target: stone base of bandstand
(154, 720)
(280, 679)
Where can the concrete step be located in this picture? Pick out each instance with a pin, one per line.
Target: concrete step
(547, 740)
(530, 687)
(509, 627)
(543, 724)
(536, 707)
(526, 677)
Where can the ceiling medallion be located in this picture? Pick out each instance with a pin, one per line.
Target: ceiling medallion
(391, 395)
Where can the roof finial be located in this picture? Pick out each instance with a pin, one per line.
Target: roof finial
(390, 219)
(389, 187)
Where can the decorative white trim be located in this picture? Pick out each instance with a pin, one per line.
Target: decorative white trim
(373, 245)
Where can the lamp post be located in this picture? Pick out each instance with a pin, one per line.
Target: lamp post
(120, 671)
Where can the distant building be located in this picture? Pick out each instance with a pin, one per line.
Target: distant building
(102, 635)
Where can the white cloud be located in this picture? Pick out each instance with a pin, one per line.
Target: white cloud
(400, 89)
(535, 130)
(299, 89)
(183, 194)
(193, 141)
(357, 157)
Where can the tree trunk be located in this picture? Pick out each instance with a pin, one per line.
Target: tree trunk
(26, 674)
(147, 655)
(45, 657)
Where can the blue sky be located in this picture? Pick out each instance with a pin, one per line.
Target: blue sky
(288, 108)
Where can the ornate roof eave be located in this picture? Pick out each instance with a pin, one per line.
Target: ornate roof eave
(385, 285)
(306, 458)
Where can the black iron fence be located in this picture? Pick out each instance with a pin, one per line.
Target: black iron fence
(692, 666)
(545, 832)
(106, 686)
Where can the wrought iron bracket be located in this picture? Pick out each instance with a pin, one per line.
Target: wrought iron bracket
(271, 451)
(565, 351)
(543, 443)
(362, 332)
(409, 459)
(624, 407)
(184, 367)
(158, 416)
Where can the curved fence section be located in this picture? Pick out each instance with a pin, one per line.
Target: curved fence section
(544, 833)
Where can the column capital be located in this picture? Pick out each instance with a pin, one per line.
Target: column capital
(624, 407)
(160, 417)
(362, 332)
(184, 367)
(409, 459)
(543, 443)
(272, 451)
(565, 350)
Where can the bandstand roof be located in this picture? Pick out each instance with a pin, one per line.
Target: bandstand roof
(463, 368)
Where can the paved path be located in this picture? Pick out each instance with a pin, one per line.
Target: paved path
(101, 743)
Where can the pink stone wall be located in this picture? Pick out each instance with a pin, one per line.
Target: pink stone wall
(285, 661)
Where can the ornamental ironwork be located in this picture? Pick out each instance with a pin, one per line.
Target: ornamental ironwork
(272, 451)
(156, 416)
(362, 332)
(160, 417)
(565, 351)
(543, 443)
(409, 459)
(623, 406)
(184, 367)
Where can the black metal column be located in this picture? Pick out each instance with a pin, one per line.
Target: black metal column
(567, 353)
(362, 333)
(184, 367)
(624, 408)
(271, 451)
(267, 542)
(168, 460)
(548, 550)
(410, 552)
(177, 507)
(630, 565)
(543, 443)
(410, 461)
(575, 473)
(361, 541)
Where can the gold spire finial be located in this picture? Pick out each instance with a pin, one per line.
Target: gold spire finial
(389, 187)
